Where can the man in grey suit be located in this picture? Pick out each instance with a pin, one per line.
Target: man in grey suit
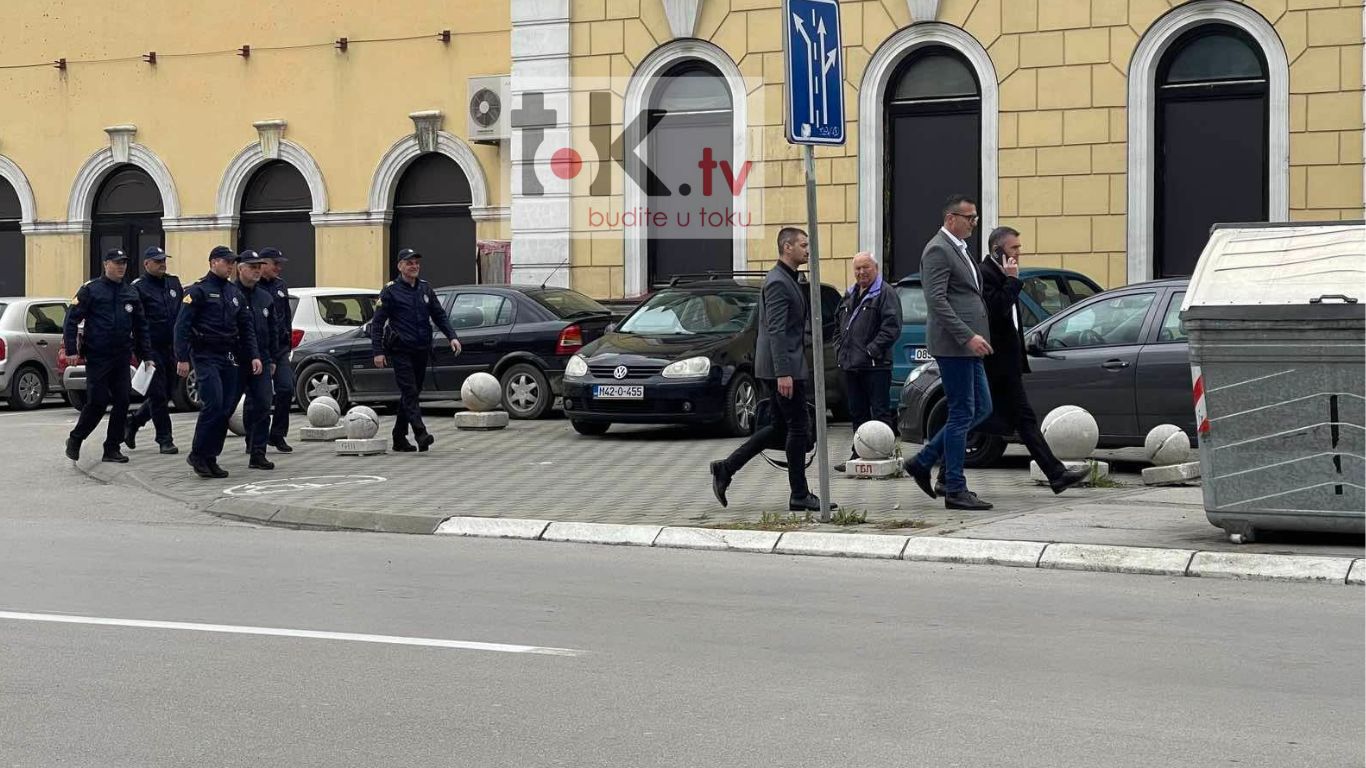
(782, 366)
(957, 334)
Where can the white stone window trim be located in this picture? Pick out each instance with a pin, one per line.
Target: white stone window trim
(1142, 109)
(98, 166)
(28, 205)
(234, 182)
(643, 82)
(396, 160)
(872, 146)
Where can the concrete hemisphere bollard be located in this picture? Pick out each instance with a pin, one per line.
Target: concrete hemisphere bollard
(1166, 445)
(323, 412)
(874, 441)
(1071, 432)
(237, 422)
(481, 392)
(362, 423)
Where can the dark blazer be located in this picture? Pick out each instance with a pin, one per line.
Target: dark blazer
(784, 326)
(1001, 292)
(866, 327)
(954, 302)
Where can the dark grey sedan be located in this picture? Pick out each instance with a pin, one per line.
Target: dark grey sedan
(1121, 355)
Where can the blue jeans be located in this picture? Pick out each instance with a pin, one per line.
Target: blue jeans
(969, 399)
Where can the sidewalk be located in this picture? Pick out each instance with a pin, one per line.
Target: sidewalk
(657, 478)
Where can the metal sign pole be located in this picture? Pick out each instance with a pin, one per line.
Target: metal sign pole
(817, 335)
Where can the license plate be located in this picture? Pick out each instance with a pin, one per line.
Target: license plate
(618, 392)
(922, 355)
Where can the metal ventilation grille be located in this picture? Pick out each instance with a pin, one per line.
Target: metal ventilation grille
(485, 106)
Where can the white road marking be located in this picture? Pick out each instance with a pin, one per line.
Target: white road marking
(464, 645)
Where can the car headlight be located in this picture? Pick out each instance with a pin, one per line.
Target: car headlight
(919, 370)
(693, 367)
(577, 367)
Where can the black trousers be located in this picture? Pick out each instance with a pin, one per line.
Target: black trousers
(410, 368)
(282, 384)
(107, 383)
(869, 393)
(256, 403)
(218, 380)
(1012, 410)
(154, 407)
(790, 420)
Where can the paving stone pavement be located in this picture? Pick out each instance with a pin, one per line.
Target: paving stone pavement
(543, 469)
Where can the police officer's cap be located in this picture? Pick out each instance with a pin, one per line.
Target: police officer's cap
(250, 257)
(273, 254)
(222, 252)
(114, 254)
(408, 253)
(154, 253)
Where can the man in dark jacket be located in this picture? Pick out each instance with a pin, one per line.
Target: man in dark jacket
(867, 325)
(1006, 366)
(254, 385)
(114, 329)
(282, 380)
(160, 293)
(401, 336)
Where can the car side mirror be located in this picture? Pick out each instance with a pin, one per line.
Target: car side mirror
(1034, 345)
(611, 327)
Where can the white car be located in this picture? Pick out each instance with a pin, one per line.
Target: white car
(318, 313)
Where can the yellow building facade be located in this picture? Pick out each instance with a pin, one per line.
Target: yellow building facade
(1108, 132)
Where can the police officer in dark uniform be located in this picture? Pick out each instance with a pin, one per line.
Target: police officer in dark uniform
(256, 386)
(282, 379)
(160, 294)
(213, 324)
(114, 329)
(401, 335)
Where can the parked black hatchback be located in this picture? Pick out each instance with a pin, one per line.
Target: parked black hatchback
(684, 356)
(523, 335)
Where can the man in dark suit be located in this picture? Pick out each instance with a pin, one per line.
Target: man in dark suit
(1006, 366)
(783, 368)
(958, 335)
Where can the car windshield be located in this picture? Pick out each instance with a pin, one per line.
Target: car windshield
(566, 303)
(346, 310)
(3, 307)
(685, 313)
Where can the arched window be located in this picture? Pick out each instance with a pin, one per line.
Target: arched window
(275, 213)
(1211, 142)
(432, 216)
(11, 243)
(126, 215)
(689, 119)
(934, 140)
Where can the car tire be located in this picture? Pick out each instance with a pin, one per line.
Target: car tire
(27, 389)
(742, 405)
(590, 428)
(76, 397)
(981, 450)
(321, 379)
(526, 391)
(185, 393)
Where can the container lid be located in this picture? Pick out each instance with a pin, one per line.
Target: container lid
(1285, 264)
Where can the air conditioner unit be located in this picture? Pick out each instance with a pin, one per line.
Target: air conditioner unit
(489, 106)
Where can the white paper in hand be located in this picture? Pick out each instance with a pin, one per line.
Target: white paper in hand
(142, 378)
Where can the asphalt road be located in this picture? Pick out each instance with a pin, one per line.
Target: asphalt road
(658, 658)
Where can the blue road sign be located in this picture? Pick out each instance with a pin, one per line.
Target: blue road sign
(815, 71)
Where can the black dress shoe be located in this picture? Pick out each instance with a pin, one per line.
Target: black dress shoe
(720, 480)
(1069, 478)
(199, 466)
(215, 470)
(114, 456)
(280, 445)
(424, 441)
(73, 449)
(401, 445)
(921, 476)
(169, 449)
(811, 503)
(259, 461)
(130, 438)
(939, 489)
(965, 500)
(842, 467)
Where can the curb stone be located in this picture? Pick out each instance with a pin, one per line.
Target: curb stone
(1246, 565)
(493, 527)
(602, 533)
(313, 518)
(840, 544)
(718, 539)
(1358, 573)
(1019, 554)
(1112, 559)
